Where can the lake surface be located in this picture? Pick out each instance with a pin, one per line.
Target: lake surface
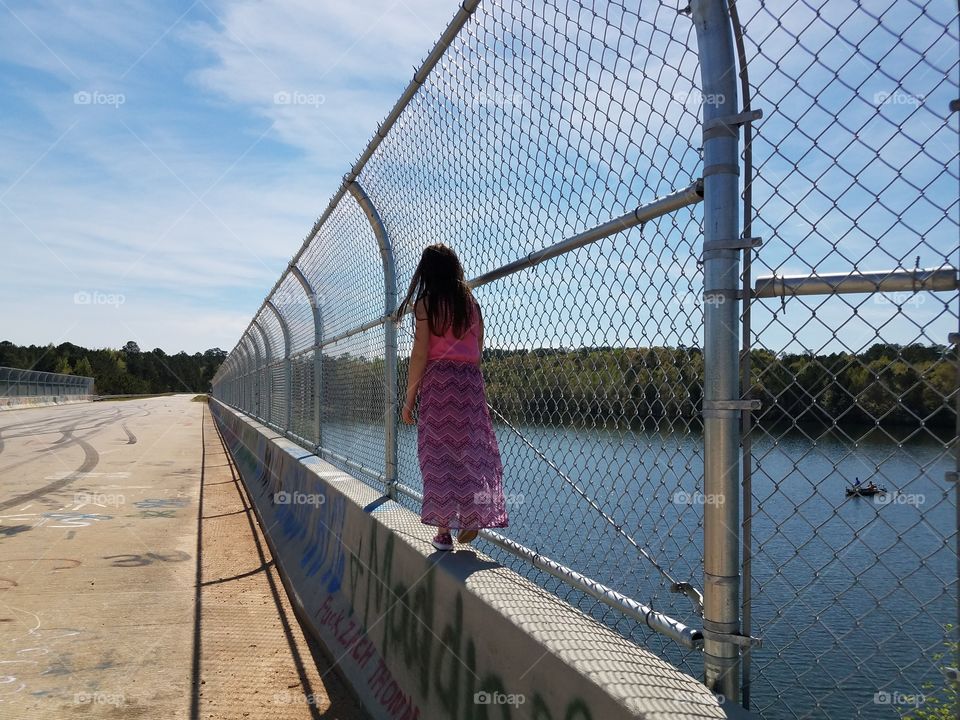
(850, 595)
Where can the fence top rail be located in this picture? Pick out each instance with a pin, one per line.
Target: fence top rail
(47, 376)
(463, 14)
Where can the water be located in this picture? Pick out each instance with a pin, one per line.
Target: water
(850, 595)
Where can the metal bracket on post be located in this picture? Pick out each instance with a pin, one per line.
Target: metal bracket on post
(692, 593)
(735, 638)
(724, 408)
(729, 125)
(390, 373)
(710, 248)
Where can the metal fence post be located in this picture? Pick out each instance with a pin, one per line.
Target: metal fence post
(251, 374)
(314, 300)
(287, 366)
(954, 340)
(721, 404)
(390, 379)
(263, 374)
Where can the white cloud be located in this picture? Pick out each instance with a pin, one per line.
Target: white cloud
(345, 62)
(190, 197)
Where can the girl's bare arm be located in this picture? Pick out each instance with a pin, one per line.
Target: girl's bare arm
(418, 356)
(480, 335)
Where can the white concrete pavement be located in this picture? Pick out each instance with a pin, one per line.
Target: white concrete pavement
(100, 613)
(98, 537)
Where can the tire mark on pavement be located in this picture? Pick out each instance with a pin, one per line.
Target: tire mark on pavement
(131, 438)
(90, 460)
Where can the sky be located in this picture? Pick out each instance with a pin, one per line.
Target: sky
(161, 162)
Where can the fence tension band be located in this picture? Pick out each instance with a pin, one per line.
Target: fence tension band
(722, 408)
(721, 169)
(735, 638)
(711, 247)
(729, 125)
(736, 244)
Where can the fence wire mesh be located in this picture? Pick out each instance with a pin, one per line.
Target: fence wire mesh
(535, 122)
(15, 383)
(855, 169)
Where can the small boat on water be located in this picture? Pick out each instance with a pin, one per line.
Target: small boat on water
(865, 491)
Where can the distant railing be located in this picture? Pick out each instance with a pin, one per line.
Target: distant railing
(15, 383)
(678, 441)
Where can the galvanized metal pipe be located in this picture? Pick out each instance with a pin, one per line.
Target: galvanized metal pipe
(287, 363)
(665, 625)
(261, 368)
(318, 356)
(419, 77)
(390, 381)
(690, 195)
(246, 400)
(721, 271)
(373, 474)
(954, 339)
(876, 281)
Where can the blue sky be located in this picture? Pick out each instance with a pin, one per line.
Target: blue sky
(162, 162)
(153, 184)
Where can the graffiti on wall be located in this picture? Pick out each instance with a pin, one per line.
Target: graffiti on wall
(372, 619)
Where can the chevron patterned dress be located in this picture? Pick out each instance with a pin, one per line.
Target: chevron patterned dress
(457, 448)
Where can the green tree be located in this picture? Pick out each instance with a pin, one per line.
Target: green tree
(941, 701)
(62, 366)
(83, 368)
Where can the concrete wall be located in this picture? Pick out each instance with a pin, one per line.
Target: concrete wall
(15, 403)
(422, 634)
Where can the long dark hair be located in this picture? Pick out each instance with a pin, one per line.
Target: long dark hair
(439, 282)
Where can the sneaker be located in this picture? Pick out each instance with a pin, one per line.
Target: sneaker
(466, 536)
(443, 541)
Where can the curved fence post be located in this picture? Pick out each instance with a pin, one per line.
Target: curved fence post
(242, 382)
(253, 361)
(390, 403)
(317, 352)
(287, 366)
(261, 372)
(722, 405)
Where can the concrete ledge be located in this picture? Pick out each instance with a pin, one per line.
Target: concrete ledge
(423, 634)
(17, 403)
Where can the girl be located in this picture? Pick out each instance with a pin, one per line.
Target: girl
(457, 449)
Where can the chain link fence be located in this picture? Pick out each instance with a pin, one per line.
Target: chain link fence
(585, 162)
(17, 385)
(848, 347)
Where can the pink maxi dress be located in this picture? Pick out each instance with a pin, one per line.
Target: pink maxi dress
(456, 446)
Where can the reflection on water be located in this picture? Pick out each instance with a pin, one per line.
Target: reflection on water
(850, 595)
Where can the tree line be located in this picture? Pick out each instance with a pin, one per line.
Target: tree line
(888, 384)
(119, 372)
(912, 385)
